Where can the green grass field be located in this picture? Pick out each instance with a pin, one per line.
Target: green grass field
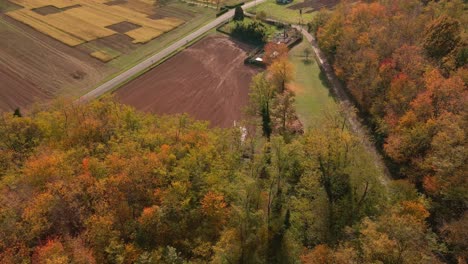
(282, 12)
(312, 93)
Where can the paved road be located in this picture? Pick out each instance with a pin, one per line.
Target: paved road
(337, 87)
(121, 78)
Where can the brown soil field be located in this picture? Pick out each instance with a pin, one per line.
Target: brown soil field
(16, 91)
(208, 80)
(315, 4)
(123, 27)
(34, 64)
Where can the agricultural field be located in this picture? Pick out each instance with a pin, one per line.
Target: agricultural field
(290, 13)
(310, 85)
(208, 80)
(36, 66)
(74, 22)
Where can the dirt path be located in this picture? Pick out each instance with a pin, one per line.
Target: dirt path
(356, 124)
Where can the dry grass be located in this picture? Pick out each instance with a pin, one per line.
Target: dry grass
(24, 16)
(98, 16)
(103, 55)
(89, 20)
(79, 27)
(31, 4)
(143, 34)
(141, 6)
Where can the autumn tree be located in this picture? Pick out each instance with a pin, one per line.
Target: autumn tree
(319, 20)
(329, 34)
(455, 234)
(261, 96)
(52, 252)
(409, 84)
(214, 207)
(283, 113)
(274, 51)
(442, 36)
(281, 72)
(337, 182)
(402, 237)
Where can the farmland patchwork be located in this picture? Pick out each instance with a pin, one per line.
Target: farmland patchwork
(74, 22)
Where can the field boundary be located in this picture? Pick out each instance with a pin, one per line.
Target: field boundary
(161, 61)
(123, 77)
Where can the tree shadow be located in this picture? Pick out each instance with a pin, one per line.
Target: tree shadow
(326, 83)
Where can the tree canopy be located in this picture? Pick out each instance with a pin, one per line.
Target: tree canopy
(404, 62)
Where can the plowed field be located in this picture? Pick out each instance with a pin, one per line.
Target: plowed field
(208, 80)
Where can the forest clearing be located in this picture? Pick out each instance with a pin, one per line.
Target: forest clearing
(311, 86)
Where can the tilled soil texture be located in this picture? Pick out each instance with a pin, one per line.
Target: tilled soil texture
(315, 4)
(34, 67)
(208, 80)
(15, 92)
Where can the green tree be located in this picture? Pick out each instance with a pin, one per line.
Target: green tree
(238, 14)
(17, 112)
(261, 96)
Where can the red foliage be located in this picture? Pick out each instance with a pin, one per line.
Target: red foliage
(275, 51)
(430, 184)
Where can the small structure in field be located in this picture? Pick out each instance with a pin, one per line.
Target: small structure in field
(290, 37)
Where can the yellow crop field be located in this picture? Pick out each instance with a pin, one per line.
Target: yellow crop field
(74, 22)
(103, 56)
(78, 27)
(143, 34)
(142, 6)
(97, 16)
(23, 15)
(31, 4)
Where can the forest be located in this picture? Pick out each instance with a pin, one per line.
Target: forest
(404, 63)
(103, 183)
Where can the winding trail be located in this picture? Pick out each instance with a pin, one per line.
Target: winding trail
(356, 124)
(123, 77)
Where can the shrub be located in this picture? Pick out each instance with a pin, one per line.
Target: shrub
(261, 15)
(239, 14)
(254, 32)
